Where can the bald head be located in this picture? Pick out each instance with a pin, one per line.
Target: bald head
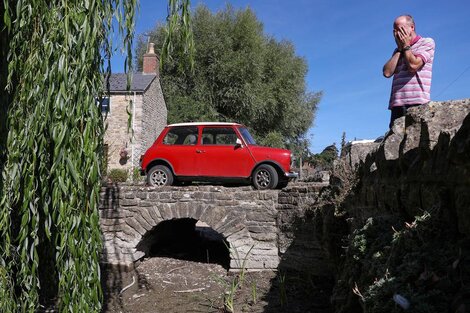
(408, 19)
(407, 22)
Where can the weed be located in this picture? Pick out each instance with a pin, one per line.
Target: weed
(136, 177)
(240, 264)
(253, 292)
(282, 289)
(232, 286)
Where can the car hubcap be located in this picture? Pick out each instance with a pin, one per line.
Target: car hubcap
(159, 178)
(263, 178)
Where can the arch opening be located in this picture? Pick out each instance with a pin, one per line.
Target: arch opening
(186, 239)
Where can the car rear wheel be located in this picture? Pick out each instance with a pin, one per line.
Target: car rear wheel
(265, 177)
(160, 175)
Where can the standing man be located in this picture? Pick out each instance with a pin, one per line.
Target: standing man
(410, 66)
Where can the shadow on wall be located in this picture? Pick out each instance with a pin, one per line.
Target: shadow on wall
(404, 226)
(412, 221)
(116, 279)
(305, 274)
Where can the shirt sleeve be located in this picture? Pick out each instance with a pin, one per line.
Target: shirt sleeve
(426, 50)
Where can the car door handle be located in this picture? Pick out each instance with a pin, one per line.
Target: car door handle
(200, 151)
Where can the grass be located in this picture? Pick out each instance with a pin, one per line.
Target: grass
(237, 282)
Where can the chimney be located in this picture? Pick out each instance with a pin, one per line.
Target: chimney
(151, 61)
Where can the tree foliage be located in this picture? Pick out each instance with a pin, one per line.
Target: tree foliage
(240, 74)
(325, 159)
(52, 60)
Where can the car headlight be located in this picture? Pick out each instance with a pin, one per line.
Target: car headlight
(292, 160)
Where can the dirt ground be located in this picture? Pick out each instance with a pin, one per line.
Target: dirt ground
(163, 284)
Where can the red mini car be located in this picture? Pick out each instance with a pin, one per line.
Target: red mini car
(221, 152)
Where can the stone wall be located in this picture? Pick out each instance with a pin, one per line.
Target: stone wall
(422, 164)
(116, 136)
(299, 247)
(405, 215)
(154, 117)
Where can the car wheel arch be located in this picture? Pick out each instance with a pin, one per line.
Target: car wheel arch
(274, 164)
(160, 162)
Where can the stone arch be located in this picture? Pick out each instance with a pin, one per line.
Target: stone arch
(246, 219)
(226, 221)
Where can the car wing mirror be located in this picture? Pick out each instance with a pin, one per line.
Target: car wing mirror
(238, 143)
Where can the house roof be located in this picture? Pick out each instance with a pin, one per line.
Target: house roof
(140, 82)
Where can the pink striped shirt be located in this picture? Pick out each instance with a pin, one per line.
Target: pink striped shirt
(413, 88)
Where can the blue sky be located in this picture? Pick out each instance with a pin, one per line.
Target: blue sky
(345, 44)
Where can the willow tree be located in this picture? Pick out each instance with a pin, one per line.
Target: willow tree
(53, 57)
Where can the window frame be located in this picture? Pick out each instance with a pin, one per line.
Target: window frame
(100, 101)
(214, 135)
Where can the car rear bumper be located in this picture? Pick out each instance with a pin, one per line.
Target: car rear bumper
(291, 175)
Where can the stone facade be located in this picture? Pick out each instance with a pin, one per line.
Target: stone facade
(153, 116)
(149, 115)
(117, 137)
(299, 247)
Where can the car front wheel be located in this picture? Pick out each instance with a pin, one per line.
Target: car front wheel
(160, 175)
(265, 177)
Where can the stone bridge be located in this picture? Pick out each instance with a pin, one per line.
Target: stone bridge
(253, 223)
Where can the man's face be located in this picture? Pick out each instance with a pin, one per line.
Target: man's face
(402, 23)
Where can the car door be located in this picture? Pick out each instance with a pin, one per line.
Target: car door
(179, 149)
(220, 156)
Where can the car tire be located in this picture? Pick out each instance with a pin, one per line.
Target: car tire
(159, 176)
(265, 177)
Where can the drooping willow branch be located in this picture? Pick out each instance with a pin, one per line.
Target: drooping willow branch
(52, 63)
(179, 30)
(50, 240)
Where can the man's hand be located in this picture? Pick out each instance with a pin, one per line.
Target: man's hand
(402, 37)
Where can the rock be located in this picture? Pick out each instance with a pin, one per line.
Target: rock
(355, 152)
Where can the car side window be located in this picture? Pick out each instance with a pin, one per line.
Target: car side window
(181, 135)
(218, 136)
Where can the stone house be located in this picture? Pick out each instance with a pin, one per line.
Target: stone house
(149, 114)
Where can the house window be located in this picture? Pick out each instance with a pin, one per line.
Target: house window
(105, 104)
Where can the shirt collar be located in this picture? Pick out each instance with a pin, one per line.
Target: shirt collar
(418, 37)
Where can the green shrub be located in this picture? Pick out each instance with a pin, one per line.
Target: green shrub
(136, 177)
(117, 175)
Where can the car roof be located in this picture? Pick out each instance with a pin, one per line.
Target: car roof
(204, 124)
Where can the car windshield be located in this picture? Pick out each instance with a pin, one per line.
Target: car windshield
(247, 136)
